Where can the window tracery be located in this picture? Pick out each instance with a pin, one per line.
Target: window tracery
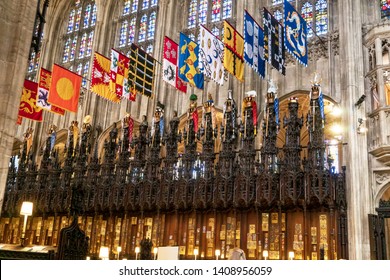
(210, 13)
(137, 24)
(78, 40)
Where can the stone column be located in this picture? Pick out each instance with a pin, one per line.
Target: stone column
(356, 157)
(16, 26)
(380, 81)
(379, 72)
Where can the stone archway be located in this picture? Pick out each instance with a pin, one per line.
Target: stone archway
(379, 223)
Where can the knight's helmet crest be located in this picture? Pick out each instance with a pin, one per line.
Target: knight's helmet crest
(229, 103)
(209, 103)
(315, 86)
(249, 99)
(159, 109)
(193, 102)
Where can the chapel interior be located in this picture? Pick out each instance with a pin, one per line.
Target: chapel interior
(309, 180)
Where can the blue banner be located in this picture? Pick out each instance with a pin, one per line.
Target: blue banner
(189, 63)
(254, 45)
(321, 104)
(276, 109)
(295, 33)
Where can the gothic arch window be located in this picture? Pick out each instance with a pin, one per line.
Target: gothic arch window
(210, 13)
(307, 14)
(315, 12)
(137, 24)
(33, 64)
(321, 17)
(142, 28)
(78, 40)
(35, 53)
(385, 9)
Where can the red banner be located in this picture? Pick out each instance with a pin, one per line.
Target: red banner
(119, 73)
(28, 108)
(170, 69)
(100, 78)
(65, 89)
(43, 93)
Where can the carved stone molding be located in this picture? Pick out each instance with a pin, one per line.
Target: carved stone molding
(369, 27)
(380, 178)
(373, 80)
(319, 48)
(371, 56)
(290, 60)
(335, 42)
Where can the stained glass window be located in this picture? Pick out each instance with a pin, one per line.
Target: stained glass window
(149, 49)
(31, 63)
(126, 8)
(137, 24)
(89, 44)
(152, 25)
(385, 8)
(78, 41)
(71, 21)
(321, 17)
(192, 36)
(134, 7)
(83, 45)
(227, 9)
(203, 11)
(192, 14)
(123, 34)
(93, 17)
(278, 15)
(73, 48)
(145, 4)
(215, 31)
(87, 16)
(307, 14)
(142, 29)
(216, 11)
(85, 73)
(78, 18)
(79, 68)
(38, 56)
(65, 57)
(132, 31)
(210, 13)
